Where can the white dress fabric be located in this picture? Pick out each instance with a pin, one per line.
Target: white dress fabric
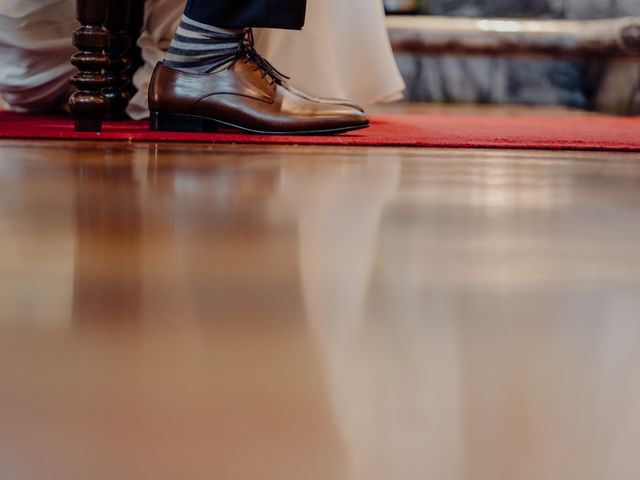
(35, 46)
(343, 51)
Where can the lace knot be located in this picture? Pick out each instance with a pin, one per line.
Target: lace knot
(248, 51)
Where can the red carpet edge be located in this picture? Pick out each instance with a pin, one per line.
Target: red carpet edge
(591, 132)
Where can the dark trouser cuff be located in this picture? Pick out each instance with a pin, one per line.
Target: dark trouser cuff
(287, 14)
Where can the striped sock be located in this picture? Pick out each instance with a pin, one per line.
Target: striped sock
(200, 48)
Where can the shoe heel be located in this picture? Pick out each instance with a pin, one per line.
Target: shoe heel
(174, 122)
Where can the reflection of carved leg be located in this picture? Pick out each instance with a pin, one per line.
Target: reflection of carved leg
(88, 104)
(119, 45)
(108, 277)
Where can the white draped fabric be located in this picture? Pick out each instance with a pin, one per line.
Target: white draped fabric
(35, 46)
(343, 51)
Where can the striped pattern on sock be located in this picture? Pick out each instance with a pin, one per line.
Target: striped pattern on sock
(200, 48)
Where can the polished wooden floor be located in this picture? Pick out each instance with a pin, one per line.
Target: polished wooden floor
(238, 312)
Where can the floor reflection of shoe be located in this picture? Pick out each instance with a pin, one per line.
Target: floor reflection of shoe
(250, 95)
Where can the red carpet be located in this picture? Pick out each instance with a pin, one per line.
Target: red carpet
(589, 132)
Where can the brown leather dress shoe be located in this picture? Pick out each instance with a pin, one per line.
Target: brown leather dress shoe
(248, 95)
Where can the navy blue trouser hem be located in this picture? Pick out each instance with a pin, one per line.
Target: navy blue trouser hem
(287, 14)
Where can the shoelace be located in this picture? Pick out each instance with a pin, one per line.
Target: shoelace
(248, 51)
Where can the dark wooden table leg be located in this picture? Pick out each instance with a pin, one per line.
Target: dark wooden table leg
(88, 104)
(118, 50)
(135, 28)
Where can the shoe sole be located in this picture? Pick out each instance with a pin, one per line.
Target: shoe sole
(175, 122)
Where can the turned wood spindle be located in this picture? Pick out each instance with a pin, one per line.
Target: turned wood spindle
(135, 29)
(118, 51)
(88, 104)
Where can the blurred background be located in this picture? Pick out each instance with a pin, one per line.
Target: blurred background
(602, 83)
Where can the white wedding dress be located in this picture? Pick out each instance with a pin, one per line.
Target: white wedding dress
(35, 46)
(343, 51)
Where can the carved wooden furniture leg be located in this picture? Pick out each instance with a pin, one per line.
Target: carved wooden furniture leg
(88, 104)
(135, 28)
(118, 50)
